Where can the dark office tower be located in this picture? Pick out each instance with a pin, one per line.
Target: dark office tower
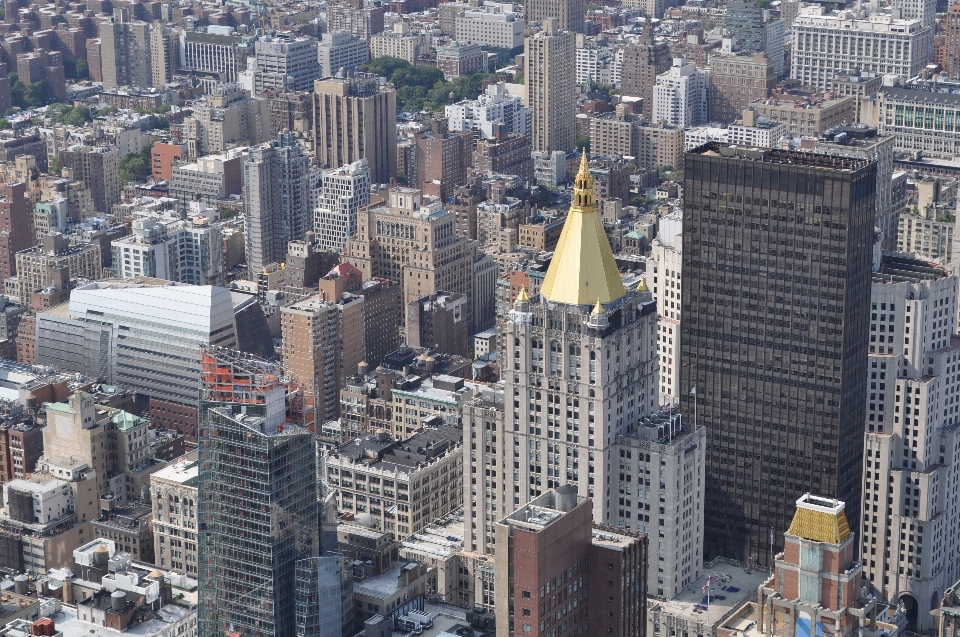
(777, 253)
(258, 495)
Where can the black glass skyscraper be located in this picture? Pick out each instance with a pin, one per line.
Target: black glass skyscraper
(777, 251)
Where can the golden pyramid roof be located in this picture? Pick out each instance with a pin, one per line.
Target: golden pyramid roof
(522, 294)
(583, 268)
(820, 520)
(598, 308)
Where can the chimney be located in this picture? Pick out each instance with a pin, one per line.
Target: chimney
(750, 117)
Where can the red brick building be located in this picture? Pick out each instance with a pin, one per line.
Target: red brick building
(16, 227)
(557, 574)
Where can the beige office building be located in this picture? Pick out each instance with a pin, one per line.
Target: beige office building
(353, 118)
(550, 88)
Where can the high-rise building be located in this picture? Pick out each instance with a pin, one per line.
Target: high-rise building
(561, 421)
(283, 62)
(778, 386)
(174, 488)
(745, 23)
(569, 13)
(550, 87)
(951, 28)
(664, 280)
(443, 158)
(98, 167)
(680, 95)
(399, 42)
(495, 24)
(906, 45)
(362, 22)
(414, 243)
(910, 452)
(335, 196)
(257, 496)
(276, 188)
(736, 81)
(815, 585)
(188, 251)
(226, 119)
(164, 53)
(216, 54)
(642, 62)
(41, 265)
(493, 106)
(340, 51)
(16, 227)
(589, 580)
(438, 322)
(125, 49)
(356, 118)
(323, 342)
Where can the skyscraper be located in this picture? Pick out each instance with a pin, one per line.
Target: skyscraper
(257, 496)
(336, 195)
(125, 49)
(569, 13)
(680, 95)
(277, 191)
(777, 247)
(642, 63)
(580, 366)
(910, 451)
(16, 227)
(355, 118)
(550, 87)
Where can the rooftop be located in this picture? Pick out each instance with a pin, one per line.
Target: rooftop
(777, 156)
(820, 520)
(185, 470)
(731, 584)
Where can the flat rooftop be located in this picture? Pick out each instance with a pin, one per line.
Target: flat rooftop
(732, 585)
(184, 470)
(777, 156)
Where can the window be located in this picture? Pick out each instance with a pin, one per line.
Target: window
(810, 557)
(810, 588)
(526, 594)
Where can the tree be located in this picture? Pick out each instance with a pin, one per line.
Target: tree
(518, 78)
(136, 166)
(402, 179)
(53, 166)
(83, 70)
(227, 213)
(583, 142)
(4, 124)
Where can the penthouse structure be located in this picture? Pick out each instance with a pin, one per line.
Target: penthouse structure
(920, 120)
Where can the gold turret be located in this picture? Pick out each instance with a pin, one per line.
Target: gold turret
(583, 267)
(522, 294)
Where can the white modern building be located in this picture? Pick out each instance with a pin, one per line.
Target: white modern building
(680, 95)
(494, 24)
(143, 335)
(593, 65)
(910, 525)
(37, 502)
(493, 106)
(824, 45)
(340, 50)
(755, 132)
(164, 247)
(693, 137)
(335, 197)
(285, 63)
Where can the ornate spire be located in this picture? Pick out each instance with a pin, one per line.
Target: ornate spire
(522, 294)
(598, 308)
(583, 267)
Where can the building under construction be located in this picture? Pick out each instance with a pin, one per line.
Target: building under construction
(257, 495)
